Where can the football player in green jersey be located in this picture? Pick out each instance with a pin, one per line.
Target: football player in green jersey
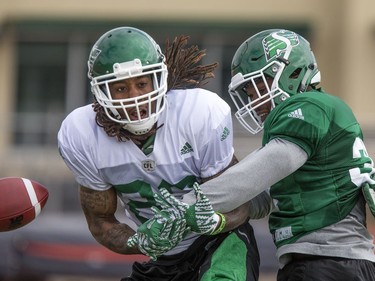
(313, 161)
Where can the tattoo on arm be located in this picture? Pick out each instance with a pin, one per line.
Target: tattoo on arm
(99, 208)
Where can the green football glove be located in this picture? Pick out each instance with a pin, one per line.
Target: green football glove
(200, 217)
(159, 234)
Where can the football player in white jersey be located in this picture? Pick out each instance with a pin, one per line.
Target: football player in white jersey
(151, 127)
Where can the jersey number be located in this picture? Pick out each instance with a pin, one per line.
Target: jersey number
(143, 194)
(359, 176)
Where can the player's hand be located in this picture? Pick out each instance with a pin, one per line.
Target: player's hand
(159, 234)
(200, 217)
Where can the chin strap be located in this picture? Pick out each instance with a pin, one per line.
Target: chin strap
(139, 139)
(117, 130)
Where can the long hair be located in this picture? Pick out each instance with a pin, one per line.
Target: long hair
(184, 72)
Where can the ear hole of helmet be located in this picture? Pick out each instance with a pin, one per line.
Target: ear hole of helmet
(295, 73)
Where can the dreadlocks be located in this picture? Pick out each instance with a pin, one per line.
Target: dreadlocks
(183, 69)
(183, 72)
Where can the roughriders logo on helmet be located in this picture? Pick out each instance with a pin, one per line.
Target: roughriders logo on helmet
(276, 44)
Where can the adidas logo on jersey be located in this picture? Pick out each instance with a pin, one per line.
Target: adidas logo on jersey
(225, 134)
(297, 114)
(186, 148)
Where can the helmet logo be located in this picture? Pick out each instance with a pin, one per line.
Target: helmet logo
(279, 43)
(95, 52)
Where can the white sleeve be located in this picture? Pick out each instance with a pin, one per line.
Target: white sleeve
(252, 175)
(217, 151)
(84, 171)
(75, 144)
(210, 130)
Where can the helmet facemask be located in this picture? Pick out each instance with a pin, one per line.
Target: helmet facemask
(130, 111)
(266, 94)
(127, 53)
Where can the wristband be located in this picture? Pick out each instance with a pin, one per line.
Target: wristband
(221, 226)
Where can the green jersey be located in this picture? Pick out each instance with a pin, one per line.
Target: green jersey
(325, 189)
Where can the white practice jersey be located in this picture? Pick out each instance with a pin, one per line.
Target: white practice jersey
(195, 142)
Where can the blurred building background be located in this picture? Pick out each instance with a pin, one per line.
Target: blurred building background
(44, 46)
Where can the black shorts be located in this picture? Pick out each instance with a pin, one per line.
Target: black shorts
(319, 268)
(230, 256)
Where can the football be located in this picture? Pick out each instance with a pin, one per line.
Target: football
(21, 201)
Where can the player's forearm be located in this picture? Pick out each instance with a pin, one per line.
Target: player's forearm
(252, 175)
(261, 206)
(236, 217)
(99, 208)
(113, 235)
(257, 208)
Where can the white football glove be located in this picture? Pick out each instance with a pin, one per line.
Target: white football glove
(200, 217)
(159, 234)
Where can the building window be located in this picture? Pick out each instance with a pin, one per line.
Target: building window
(41, 92)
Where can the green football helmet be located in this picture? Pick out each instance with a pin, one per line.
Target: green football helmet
(280, 56)
(123, 53)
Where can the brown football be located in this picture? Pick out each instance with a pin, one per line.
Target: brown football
(21, 201)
